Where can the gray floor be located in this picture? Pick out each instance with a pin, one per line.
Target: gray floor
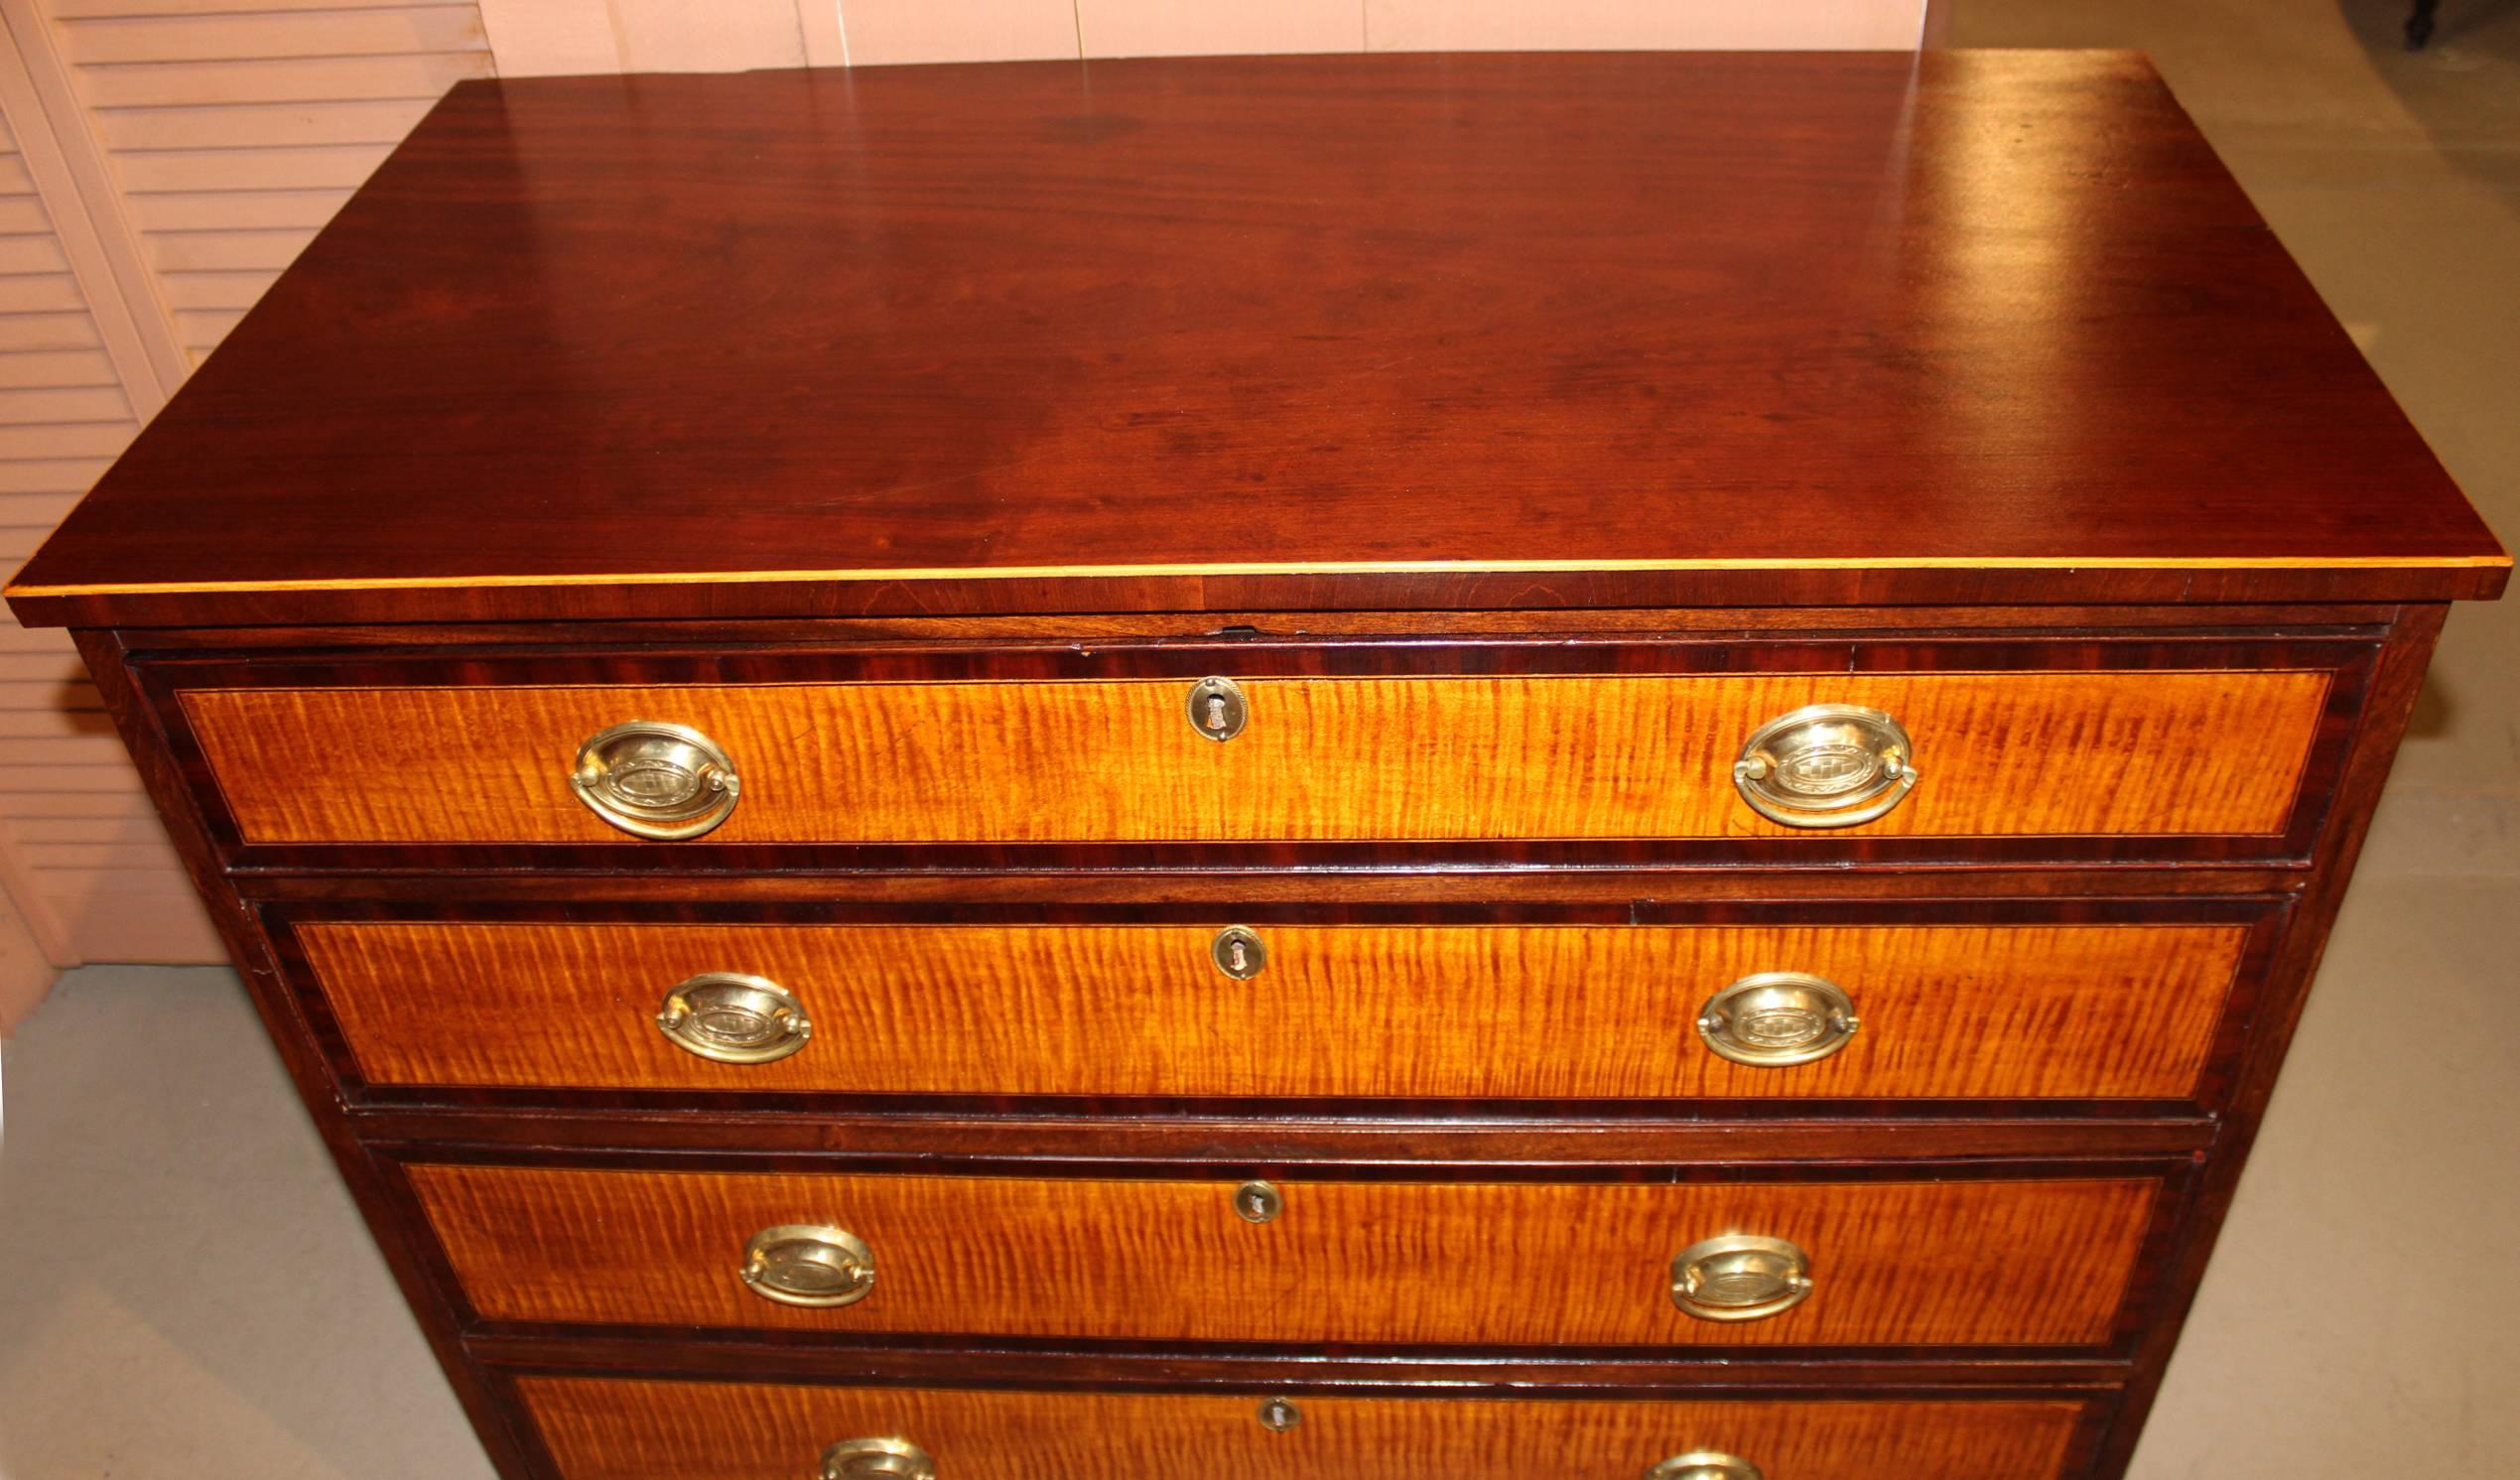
(185, 1291)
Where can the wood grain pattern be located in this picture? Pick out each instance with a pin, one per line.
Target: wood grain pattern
(1105, 628)
(1913, 1263)
(601, 1429)
(1469, 1012)
(1495, 331)
(999, 1137)
(1436, 758)
(1486, 335)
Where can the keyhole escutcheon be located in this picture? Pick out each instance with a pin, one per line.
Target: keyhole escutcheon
(1218, 708)
(1238, 952)
(1258, 1202)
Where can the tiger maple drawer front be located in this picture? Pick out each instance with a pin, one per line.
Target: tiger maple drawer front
(1977, 1262)
(615, 1428)
(1435, 1011)
(1568, 758)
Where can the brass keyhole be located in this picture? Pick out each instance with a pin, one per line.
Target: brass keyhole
(1277, 1416)
(1238, 952)
(1216, 709)
(1258, 1202)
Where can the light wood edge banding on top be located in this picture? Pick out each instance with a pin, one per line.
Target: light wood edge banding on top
(1321, 568)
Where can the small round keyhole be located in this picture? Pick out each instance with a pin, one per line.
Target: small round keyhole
(1258, 1202)
(1277, 1416)
(1216, 709)
(1238, 952)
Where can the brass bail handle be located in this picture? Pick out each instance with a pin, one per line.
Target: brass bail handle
(734, 1019)
(811, 1265)
(656, 780)
(1740, 1277)
(1777, 1018)
(889, 1458)
(1704, 1464)
(1826, 765)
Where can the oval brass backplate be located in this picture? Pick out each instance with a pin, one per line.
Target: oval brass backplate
(1777, 1018)
(1826, 765)
(656, 780)
(1704, 1464)
(734, 1019)
(1740, 1277)
(877, 1459)
(809, 1263)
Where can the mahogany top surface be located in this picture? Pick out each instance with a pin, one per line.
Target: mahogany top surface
(1199, 333)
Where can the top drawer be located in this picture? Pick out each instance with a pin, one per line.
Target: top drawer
(1250, 745)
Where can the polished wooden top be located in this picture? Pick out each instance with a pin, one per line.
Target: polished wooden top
(1249, 333)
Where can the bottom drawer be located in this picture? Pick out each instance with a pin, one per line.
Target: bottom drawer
(608, 1428)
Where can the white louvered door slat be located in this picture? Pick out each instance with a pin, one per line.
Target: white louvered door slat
(62, 415)
(202, 144)
(236, 130)
(261, 125)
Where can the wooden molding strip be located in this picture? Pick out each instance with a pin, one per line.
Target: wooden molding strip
(1291, 567)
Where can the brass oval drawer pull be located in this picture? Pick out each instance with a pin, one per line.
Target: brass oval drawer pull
(734, 1019)
(1704, 1464)
(1777, 1018)
(880, 1460)
(1826, 765)
(1740, 1277)
(809, 1263)
(1218, 708)
(655, 780)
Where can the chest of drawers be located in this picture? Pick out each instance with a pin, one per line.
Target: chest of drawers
(1479, 767)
